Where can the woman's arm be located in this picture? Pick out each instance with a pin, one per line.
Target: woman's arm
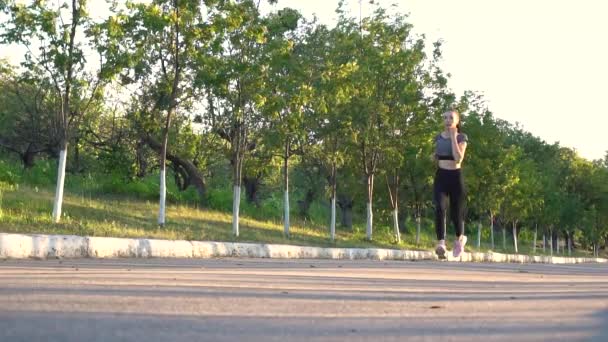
(458, 149)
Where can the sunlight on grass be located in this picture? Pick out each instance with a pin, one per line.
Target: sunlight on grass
(28, 210)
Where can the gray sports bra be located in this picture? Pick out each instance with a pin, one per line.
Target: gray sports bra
(443, 146)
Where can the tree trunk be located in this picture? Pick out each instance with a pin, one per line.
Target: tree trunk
(286, 215)
(170, 110)
(596, 249)
(394, 201)
(370, 218)
(286, 189)
(28, 158)
(252, 185)
(332, 222)
(304, 204)
(515, 236)
(535, 237)
(236, 200)
(195, 178)
(236, 196)
(544, 241)
(60, 181)
(163, 168)
(479, 235)
(418, 224)
(504, 238)
(346, 210)
(492, 230)
(142, 163)
(163, 197)
(551, 242)
(396, 224)
(63, 115)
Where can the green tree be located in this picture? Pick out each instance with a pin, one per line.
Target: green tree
(26, 111)
(232, 73)
(288, 91)
(153, 47)
(57, 28)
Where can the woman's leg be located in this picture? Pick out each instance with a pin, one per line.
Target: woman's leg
(457, 203)
(440, 200)
(457, 210)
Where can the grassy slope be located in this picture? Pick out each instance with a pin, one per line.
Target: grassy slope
(26, 209)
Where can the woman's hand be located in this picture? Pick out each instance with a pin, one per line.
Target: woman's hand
(453, 131)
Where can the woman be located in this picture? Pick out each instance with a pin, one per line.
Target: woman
(450, 147)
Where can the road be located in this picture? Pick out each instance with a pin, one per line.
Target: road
(299, 300)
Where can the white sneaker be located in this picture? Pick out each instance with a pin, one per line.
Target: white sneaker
(459, 246)
(440, 250)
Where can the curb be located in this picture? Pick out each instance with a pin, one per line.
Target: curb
(22, 246)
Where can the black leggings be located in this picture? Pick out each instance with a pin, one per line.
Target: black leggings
(449, 183)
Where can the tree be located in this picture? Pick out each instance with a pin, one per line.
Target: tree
(26, 111)
(231, 74)
(418, 179)
(288, 92)
(491, 169)
(329, 117)
(54, 27)
(153, 46)
(391, 77)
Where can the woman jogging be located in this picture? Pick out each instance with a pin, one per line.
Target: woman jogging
(450, 147)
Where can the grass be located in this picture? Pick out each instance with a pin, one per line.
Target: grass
(27, 209)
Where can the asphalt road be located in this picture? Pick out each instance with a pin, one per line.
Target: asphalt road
(300, 300)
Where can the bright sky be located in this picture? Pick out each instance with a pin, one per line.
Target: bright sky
(542, 63)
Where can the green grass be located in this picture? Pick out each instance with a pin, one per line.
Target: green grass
(524, 246)
(28, 210)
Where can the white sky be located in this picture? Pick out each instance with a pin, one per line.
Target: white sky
(542, 63)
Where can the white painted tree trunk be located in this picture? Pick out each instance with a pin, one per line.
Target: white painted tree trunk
(557, 245)
(396, 224)
(368, 229)
(515, 236)
(569, 244)
(544, 243)
(59, 190)
(492, 230)
(286, 214)
(596, 250)
(286, 184)
(418, 224)
(163, 198)
(236, 204)
(504, 238)
(534, 241)
(479, 235)
(332, 224)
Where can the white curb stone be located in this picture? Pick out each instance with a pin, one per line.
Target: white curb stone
(20, 246)
(42, 246)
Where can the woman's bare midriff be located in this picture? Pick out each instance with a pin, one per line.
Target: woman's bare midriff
(448, 164)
